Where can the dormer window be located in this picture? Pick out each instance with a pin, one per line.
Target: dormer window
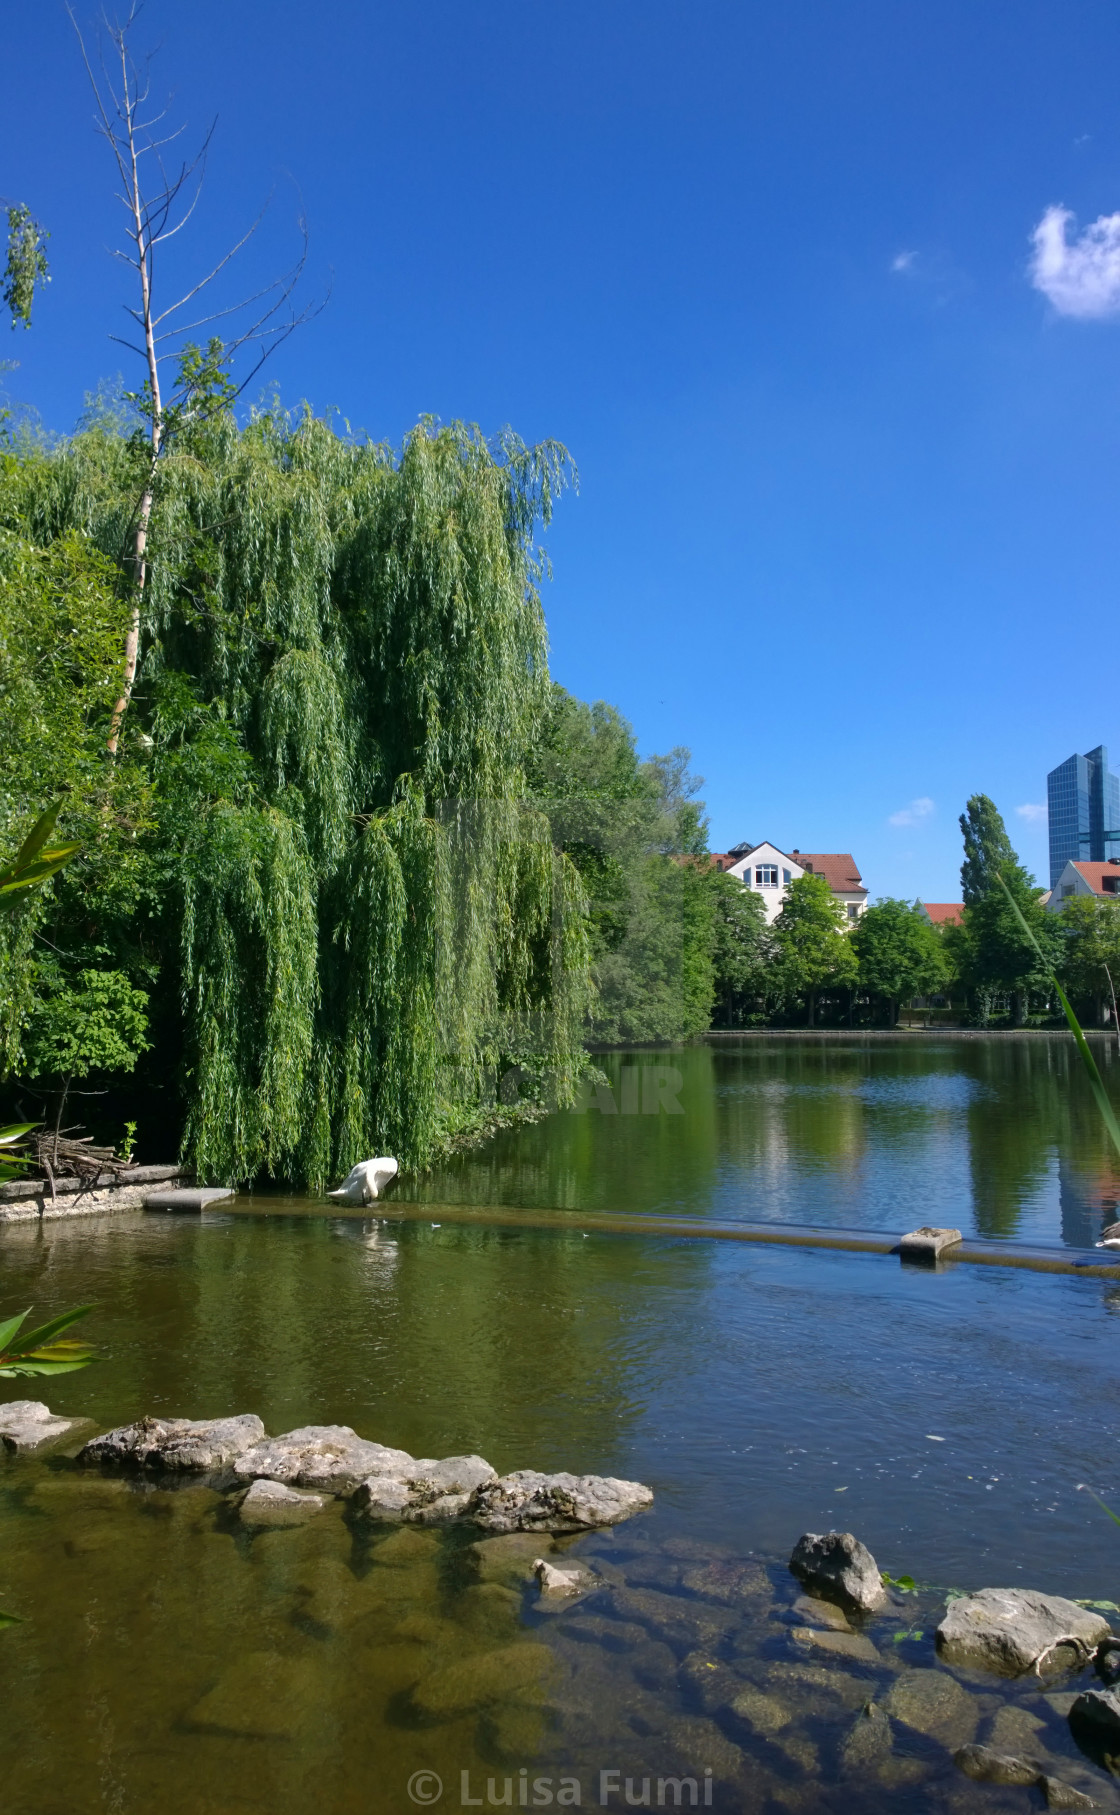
(766, 876)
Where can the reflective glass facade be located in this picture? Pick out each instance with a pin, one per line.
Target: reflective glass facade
(1083, 801)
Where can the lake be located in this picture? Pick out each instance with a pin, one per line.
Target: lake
(168, 1658)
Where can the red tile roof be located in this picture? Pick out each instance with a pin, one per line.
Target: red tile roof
(944, 913)
(1095, 873)
(837, 867)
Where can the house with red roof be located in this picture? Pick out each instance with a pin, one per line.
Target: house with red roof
(768, 870)
(942, 913)
(1099, 879)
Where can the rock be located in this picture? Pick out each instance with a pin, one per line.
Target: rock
(812, 1612)
(491, 1612)
(327, 1456)
(714, 1684)
(475, 1682)
(927, 1243)
(840, 1644)
(1061, 1795)
(762, 1713)
(528, 1501)
(424, 1492)
(366, 1181)
(1010, 1629)
(988, 1766)
(261, 1696)
(933, 1703)
(722, 1579)
(839, 1566)
(29, 1424)
(270, 1503)
(175, 1445)
(506, 1559)
(1097, 1713)
(868, 1740)
(684, 1623)
(406, 1549)
(829, 1687)
(1107, 1661)
(1015, 1729)
(613, 1635)
(560, 1581)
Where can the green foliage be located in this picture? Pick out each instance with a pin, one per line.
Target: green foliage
(329, 844)
(94, 1021)
(13, 1159)
(814, 951)
(898, 951)
(987, 848)
(40, 1352)
(742, 950)
(26, 265)
(34, 862)
(1089, 953)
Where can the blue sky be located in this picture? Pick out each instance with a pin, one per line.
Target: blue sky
(846, 521)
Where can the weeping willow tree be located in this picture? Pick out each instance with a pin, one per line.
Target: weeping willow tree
(342, 660)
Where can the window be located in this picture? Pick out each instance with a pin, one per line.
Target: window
(786, 879)
(853, 911)
(1108, 884)
(766, 876)
(1067, 890)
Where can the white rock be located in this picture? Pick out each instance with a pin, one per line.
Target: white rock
(327, 1456)
(1014, 1629)
(28, 1424)
(558, 1581)
(271, 1503)
(366, 1181)
(178, 1445)
(529, 1501)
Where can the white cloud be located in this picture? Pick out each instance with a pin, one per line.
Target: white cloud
(1081, 277)
(902, 261)
(913, 814)
(1033, 812)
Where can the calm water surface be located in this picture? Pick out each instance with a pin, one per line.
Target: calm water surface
(168, 1660)
(997, 1137)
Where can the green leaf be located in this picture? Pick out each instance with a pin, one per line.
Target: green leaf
(34, 1370)
(37, 1339)
(1100, 1606)
(9, 1619)
(1083, 1489)
(906, 1583)
(15, 1132)
(9, 1328)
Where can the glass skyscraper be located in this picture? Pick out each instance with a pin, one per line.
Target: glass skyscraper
(1083, 800)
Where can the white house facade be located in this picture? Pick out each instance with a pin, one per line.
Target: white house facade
(769, 871)
(1099, 879)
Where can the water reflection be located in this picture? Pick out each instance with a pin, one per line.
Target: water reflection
(997, 1136)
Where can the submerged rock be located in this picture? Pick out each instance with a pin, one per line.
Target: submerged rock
(840, 1644)
(988, 1766)
(1013, 1629)
(933, 1703)
(504, 1675)
(270, 1503)
(175, 1445)
(528, 1501)
(560, 1581)
(868, 1740)
(331, 1457)
(837, 1565)
(29, 1424)
(1060, 1795)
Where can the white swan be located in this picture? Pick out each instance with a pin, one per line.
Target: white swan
(366, 1181)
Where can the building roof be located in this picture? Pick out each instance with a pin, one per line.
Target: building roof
(723, 860)
(837, 867)
(1094, 874)
(944, 913)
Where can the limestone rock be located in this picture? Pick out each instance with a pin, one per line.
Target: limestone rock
(175, 1445)
(762, 1713)
(868, 1740)
(366, 1181)
(933, 1703)
(1015, 1729)
(331, 1457)
(507, 1559)
(1009, 1629)
(424, 1492)
(1061, 1795)
(528, 1501)
(29, 1424)
(988, 1766)
(270, 1503)
(812, 1612)
(840, 1644)
(555, 1581)
(723, 1579)
(1097, 1712)
(475, 1682)
(837, 1565)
